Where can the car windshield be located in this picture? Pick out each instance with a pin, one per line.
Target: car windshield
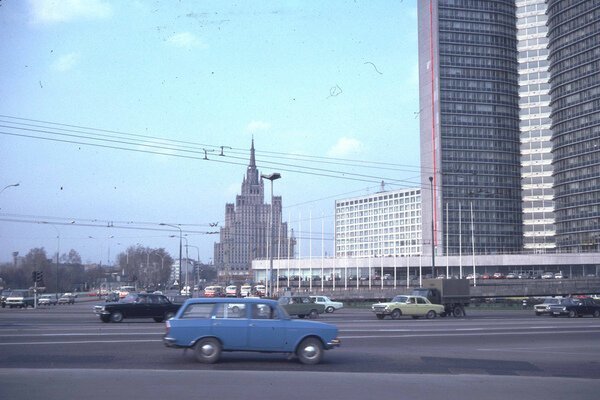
(129, 299)
(400, 299)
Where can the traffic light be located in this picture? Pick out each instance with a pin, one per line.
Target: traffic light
(34, 276)
(39, 278)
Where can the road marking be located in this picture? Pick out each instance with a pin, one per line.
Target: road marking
(82, 342)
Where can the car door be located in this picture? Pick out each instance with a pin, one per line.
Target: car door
(410, 307)
(229, 324)
(422, 306)
(267, 331)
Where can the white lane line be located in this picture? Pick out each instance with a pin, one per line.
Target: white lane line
(81, 342)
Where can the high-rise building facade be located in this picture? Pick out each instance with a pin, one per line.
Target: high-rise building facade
(383, 224)
(246, 234)
(469, 116)
(574, 55)
(536, 145)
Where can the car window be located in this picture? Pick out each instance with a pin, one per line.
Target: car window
(230, 310)
(203, 310)
(421, 301)
(399, 299)
(262, 311)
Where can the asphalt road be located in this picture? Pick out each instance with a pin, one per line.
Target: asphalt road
(57, 352)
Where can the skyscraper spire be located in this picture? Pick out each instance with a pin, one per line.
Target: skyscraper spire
(252, 172)
(252, 158)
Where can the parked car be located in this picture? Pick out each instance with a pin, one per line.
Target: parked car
(213, 291)
(67, 298)
(330, 306)
(246, 290)
(211, 326)
(302, 306)
(544, 308)
(138, 305)
(232, 291)
(573, 307)
(511, 275)
(547, 275)
(560, 275)
(498, 275)
(48, 300)
(414, 306)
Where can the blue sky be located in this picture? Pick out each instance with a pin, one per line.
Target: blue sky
(311, 82)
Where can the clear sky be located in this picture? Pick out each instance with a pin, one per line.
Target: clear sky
(107, 108)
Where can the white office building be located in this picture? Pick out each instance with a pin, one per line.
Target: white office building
(383, 224)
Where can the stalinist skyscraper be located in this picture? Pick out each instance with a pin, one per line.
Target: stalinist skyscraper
(245, 236)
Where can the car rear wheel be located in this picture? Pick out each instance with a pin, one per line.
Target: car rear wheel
(329, 309)
(430, 314)
(207, 350)
(310, 351)
(116, 316)
(396, 314)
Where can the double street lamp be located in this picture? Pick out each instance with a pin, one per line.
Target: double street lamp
(271, 177)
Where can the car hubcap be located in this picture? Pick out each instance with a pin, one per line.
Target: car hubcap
(207, 349)
(310, 351)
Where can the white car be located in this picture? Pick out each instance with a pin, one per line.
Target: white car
(330, 306)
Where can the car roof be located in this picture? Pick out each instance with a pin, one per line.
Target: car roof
(249, 300)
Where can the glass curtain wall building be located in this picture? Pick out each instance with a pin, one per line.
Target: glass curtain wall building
(574, 44)
(469, 116)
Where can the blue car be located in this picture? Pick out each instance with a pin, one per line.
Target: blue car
(211, 326)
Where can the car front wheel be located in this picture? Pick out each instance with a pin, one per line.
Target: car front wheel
(396, 314)
(313, 314)
(572, 314)
(310, 351)
(430, 314)
(207, 350)
(596, 313)
(116, 316)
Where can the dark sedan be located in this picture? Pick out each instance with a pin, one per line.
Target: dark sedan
(573, 307)
(138, 305)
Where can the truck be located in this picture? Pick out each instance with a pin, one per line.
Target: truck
(453, 294)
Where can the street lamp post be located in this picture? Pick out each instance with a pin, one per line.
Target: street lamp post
(198, 266)
(432, 230)
(7, 186)
(271, 177)
(57, 243)
(180, 246)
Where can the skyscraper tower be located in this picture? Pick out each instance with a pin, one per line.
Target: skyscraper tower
(536, 145)
(573, 32)
(245, 236)
(469, 122)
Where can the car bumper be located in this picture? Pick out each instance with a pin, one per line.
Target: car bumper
(333, 344)
(171, 342)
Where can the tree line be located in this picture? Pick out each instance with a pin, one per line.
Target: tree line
(145, 266)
